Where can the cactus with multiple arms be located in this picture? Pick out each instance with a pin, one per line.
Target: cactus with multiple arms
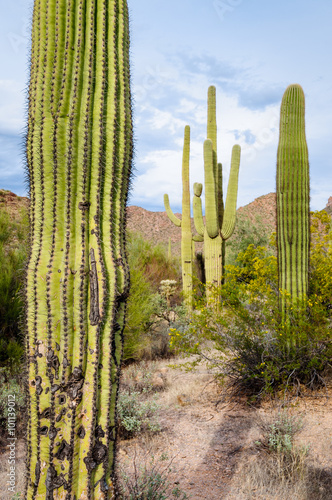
(293, 235)
(79, 149)
(184, 223)
(219, 222)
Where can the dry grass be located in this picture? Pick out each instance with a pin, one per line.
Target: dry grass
(177, 383)
(256, 472)
(265, 479)
(287, 471)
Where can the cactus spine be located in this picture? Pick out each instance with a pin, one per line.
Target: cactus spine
(184, 223)
(293, 235)
(219, 221)
(79, 149)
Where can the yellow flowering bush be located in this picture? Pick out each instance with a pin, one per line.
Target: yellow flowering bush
(246, 340)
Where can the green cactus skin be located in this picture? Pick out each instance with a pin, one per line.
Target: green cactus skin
(293, 216)
(219, 221)
(184, 223)
(79, 150)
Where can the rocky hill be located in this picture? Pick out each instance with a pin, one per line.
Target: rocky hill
(328, 207)
(156, 227)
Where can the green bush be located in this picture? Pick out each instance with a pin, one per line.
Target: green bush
(13, 254)
(11, 384)
(321, 258)
(280, 433)
(248, 232)
(152, 260)
(140, 308)
(148, 266)
(138, 377)
(136, 415)
(246, 340)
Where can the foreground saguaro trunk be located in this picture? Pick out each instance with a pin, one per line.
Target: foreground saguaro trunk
(293, 234)
(79, 149)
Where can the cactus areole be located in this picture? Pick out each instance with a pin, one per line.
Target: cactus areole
(79, 150)
(293, 235)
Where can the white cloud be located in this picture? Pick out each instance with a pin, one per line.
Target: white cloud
(12, 100)
(162, 168)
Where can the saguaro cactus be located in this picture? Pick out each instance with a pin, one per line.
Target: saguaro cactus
(79, 149)
(293, 235)
(219, 221)
(184, 223)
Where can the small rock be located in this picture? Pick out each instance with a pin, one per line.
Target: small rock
(172, 316)
(138, 377)
(183, 400)
(157, 382)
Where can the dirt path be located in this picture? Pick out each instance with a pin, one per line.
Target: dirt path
(212, 443)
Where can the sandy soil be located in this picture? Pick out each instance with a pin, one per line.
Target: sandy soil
(211, 443)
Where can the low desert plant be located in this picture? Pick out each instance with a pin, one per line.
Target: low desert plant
(11, 385)
(149, 481)
(148, 264)
(282, 470)
(136, 414)
(289, 459)
(280, 433)
(13, 254)
(167, 289)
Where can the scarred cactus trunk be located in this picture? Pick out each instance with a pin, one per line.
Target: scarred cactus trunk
(293, 235)
(79, 149)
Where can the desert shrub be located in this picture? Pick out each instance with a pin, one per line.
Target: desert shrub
(246, 340)
(279, 432)
(140, 308)
(11, 384)
(13, 254)
(11, 353)
(321, 258)
(149, 481)
(147, 264)
(289, 460)
(248, 232)
(139, 377)
(136, 414)
(152, 260)
(282, 470)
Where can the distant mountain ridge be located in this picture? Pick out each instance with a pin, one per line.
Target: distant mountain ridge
(156, 227)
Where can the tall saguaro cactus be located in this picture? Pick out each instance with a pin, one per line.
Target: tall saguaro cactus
(79, 149)
(293, 234)
(219, 221)
(184, 223)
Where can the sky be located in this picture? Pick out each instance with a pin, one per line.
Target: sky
(251, 50)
